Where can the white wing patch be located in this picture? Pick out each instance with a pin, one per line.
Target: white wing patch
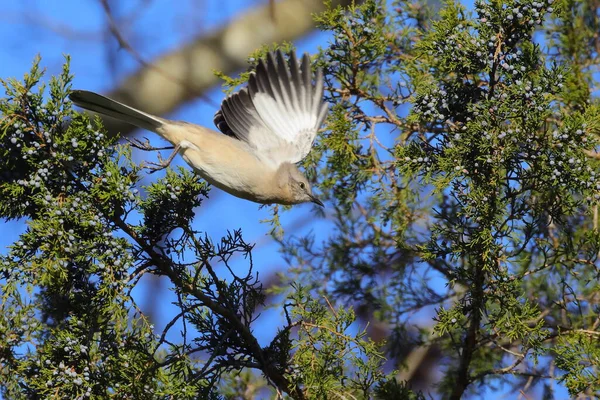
(280, 111)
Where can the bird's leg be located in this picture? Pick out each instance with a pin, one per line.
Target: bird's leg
(145, 145)
(162, 164)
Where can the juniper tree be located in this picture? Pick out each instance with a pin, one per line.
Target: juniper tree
(459, 166)
(460, 161)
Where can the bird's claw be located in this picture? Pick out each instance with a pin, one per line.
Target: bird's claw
(161, 164)
(153, 167)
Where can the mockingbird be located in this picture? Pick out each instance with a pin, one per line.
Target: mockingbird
(267, 127)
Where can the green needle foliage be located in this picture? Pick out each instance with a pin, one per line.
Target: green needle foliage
(459, 164)
(69, 325)
(460, 161)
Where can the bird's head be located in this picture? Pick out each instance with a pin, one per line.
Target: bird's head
(295, 186)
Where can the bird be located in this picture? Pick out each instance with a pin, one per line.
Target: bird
(266, 128)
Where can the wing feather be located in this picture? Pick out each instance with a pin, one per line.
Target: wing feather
(263, 96)
(296, 83)
(263, 84)
(318, 94)
(243, 118)
(280, 110)
(231, 119)
(306, 83)
(285, 84)
(296, 91)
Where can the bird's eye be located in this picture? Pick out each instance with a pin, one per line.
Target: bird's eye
(302, 185)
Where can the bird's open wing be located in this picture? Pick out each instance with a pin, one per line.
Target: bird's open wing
(280, 110)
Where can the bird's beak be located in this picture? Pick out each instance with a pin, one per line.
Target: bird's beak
(316, 201)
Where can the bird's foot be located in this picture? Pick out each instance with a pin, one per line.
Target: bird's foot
(145, 145)
(162, 164)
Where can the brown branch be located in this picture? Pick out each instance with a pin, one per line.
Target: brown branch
(470, 342)
(164, 266)
(124, 43)
(225, 49)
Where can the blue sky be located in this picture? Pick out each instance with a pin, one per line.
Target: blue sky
(77, 28)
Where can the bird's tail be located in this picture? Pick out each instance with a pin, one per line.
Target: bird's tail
(112, 108)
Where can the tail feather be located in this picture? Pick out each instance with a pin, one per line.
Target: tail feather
(112, 108)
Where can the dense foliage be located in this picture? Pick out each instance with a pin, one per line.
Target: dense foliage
(459, 163)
